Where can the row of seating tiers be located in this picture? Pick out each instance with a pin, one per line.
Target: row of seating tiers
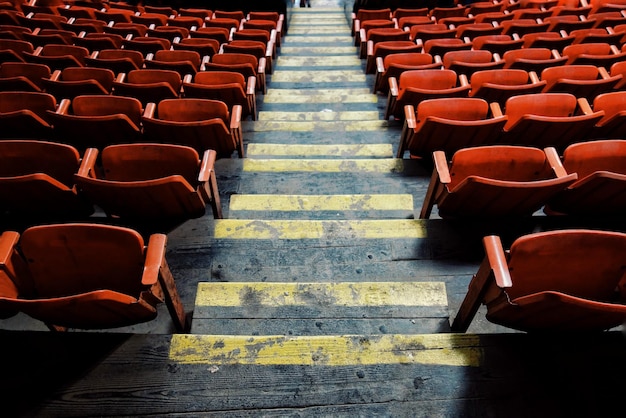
(521, 106)
(123, 109)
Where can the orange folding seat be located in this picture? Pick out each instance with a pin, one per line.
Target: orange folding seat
(127, 278)
(76, 81)
(199, 123)
(532, 59)
(601, 185)
(363, 33)
(496, 44)
(494, 17)
(246, 64)
(385, 48)
(20, 76)
(13, 50)
(566, 9)
(84, 25)
(9, 17)
(58, 57)
(37, 181)
(445, 12)
(223, 22)
(164, 10)
(77, 12)
(598, 54)
(449, 124)
(13, 31)
(108, 120)
(99, 41)
(440, 47)
(41, 21)
(613, 123)
(608, 19)
(472, 30)
(556, 281)
(121, 5)
(599, 35)
(395, 64)
(162, 184)
(539, 4)
(468, 62)
(606, 6)
(204, 46)
(228, 87)
(171, 33)
(494, 181)
(116, 60)
(258, 35)
(408, 22)
(24, 114)
(257, 48)
(501, 84)
(416, 85)
(148, 19)
(455, 21)
(376, 35)
(229, 14)
(619, 68)
(148, 85)
(126, 28)
(42, 37)
(203, 14)
(586, 81)
(548, 119)
(521, 27)
(552, 40)
(422, 33)
(261, 15)
(404, 17)
(221, 35)
(363, 15)
(147, 45)
(188, 22)
(182, 61)
(266, 25)
(567, 23)
(481, 7)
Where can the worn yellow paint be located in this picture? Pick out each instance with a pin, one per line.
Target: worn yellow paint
(311, 150)
(330, 39)
(320, 96)
(327, 350)
(320, 126)
(323, 115)
(301, 21)
(292, 203)
(317, 61)
(329, 50)
(316, 30)
(380, 165)
(318, 229)
(361, 294)
(327, 76)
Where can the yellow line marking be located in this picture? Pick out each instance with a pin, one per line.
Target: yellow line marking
(328, 294)
(318, 50)
(293, 203)
(381, 165)
(320, 96)
(334, 30)
(436, 349)
(337, 126)
(327, 61)
(318, 39)
(318, 77)
(318, 20)
(319, 116)
(303, 150)
(316, 229)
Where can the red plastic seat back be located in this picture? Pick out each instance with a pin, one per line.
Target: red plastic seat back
(108, 105)
(586, 158)
(192, 110)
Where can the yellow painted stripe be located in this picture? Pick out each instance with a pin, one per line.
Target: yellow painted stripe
(332, 350)
(317, 16)
(337, 126)
(323, 115)
(312, 50)
(292, 203)
(304, 150)
(318, 77)
(382, 165)
(324, 61)
(329, 294)
(320, 96)
(317, 20)
(316, 30)
(316, 229)
(318, 39)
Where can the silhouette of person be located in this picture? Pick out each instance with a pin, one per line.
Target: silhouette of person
(305, 3)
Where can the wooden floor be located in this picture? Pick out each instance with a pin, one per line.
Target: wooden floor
(320, 293)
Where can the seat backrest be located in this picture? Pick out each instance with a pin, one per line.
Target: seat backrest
(373, 14)
(499, 162)
(433, 79)
(111, 54)
(38, 103)
(230, 14)
(33, 72)
(150, 76)
(103, 76)
(137, 162)
(23, 157)
(222, 22)
(219, 34)
(266, 25)
(472, 56)
(542, 104)
(611, 103)
(108, 105)
(256, 15)
(17, 46)
(219, 77)
(192, 110)
(236, 58)
(408, 58)
(178, 55)
(67, 259)
(595, 48)
(187, 22)
(77, 52)
(587, 264)
(586, 158)
(570, 72)
(505, 77)
(460, 108)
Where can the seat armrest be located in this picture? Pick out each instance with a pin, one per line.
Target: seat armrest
(251, 86)
(409, 117)
(56, 75)
(155, 256)
(235, 117)
(380, 66)
(441, 165)
(150, 110)
(207, 165)
(88, 163)
(393, 87)
(496, 110)
(497, 261)
(64, 107)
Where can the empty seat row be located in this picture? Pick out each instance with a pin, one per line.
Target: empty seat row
(199, 123)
